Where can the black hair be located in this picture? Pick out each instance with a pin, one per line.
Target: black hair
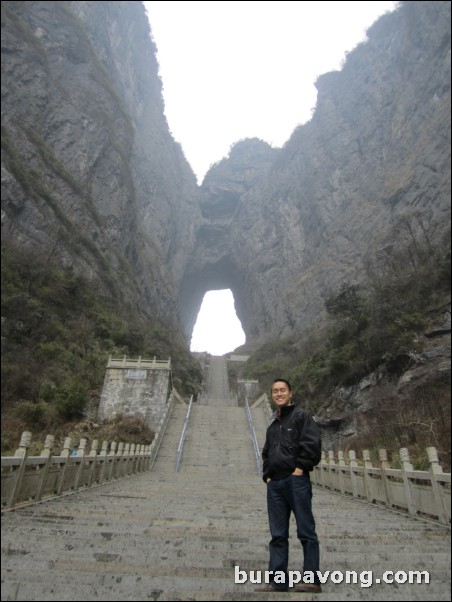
(282, 380)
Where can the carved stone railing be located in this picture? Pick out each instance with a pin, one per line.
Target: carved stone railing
(126, 362)
(424, 494)
(29, 479)
(264, 403)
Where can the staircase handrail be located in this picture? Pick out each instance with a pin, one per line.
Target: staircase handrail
(184, 434)
(253, 437)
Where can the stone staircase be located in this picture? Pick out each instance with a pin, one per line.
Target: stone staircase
(218, 383)
(164, 535)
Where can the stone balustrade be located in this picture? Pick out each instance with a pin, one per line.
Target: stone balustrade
(31, 478)
(425, 494)
(28, 479)
(139, 363)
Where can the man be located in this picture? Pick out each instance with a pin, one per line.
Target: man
(292, 449)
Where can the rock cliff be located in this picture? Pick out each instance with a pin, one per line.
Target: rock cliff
(293, 225)
(91, 173)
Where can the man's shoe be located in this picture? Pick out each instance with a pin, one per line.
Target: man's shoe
(314, 588)
(269, 588)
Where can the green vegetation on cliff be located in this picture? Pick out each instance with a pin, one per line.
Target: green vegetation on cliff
(57, 335)
(376, 326)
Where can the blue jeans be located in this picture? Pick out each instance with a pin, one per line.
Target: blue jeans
(292, 494)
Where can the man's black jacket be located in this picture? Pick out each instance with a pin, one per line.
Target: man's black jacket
(292, 441)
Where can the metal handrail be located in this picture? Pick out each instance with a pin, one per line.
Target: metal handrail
(184, 434)
(253, 437)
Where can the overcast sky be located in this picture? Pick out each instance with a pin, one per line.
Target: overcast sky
(235, 70)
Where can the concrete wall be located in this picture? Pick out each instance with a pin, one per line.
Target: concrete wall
(248, 389)
(137, 392)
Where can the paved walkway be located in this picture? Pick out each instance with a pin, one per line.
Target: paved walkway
(178, 536)
(218, 383)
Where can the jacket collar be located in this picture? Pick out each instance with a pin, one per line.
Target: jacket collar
(283, 411)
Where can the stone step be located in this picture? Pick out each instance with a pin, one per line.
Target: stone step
(109, 581)
(164, 535)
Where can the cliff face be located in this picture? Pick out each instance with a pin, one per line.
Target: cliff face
(376, 153)
(90, 172)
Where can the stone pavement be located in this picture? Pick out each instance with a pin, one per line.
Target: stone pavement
(178, 536)
(218, 382)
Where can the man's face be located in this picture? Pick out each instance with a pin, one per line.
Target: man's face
(281, 394)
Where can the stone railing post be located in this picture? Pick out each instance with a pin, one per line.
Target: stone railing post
(331, 473)
(436, 469)
(81, 448)
(47, 453)
(103, 461)
(144, 459)
(126, 453)
(367, 484)
(384, 466)
(129, 460)
(66, 447)
(140, 458)
(80, 454)
(407, 467)
(93, 459)
(133, 459)
(137, 458)
(93, 450)
(64, 454)
(120, 462)
(48, 446)
(21, 452)
(112, 456)
(341, 465)
(25, 442)
(353, 464)
(322, 469)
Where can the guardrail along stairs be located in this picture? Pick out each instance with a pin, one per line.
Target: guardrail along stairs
(167, 535)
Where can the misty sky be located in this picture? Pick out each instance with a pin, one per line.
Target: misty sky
(235, 70)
